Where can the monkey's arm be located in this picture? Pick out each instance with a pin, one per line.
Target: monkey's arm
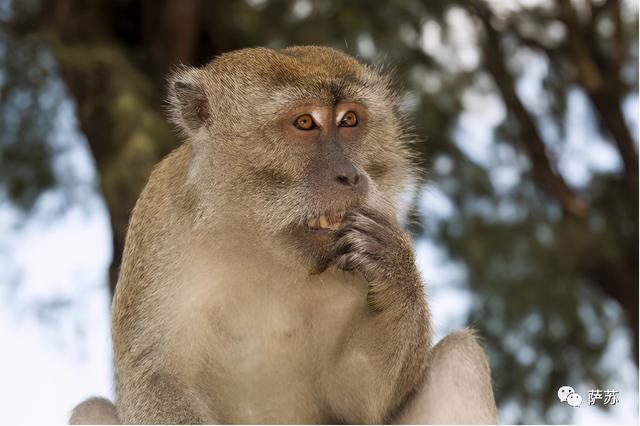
(457, 386)
(384, 356)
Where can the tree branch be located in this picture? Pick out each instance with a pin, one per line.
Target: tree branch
(118, 107)
(590, 65)
(617, 278)
(605, 94)
(127, 133)
(549, 179)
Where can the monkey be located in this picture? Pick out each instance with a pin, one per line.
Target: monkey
(265, 276)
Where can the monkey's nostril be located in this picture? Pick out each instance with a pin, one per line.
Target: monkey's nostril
(348, 180)
(343, 180)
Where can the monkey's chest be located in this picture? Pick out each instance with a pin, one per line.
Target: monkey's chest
(265, 350)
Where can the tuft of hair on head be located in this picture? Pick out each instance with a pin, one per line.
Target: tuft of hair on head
(187, 101)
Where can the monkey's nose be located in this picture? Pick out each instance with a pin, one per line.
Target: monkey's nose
(348, 178)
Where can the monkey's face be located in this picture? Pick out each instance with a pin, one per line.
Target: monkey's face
(316, 160)
(322, 177)
(296, 140)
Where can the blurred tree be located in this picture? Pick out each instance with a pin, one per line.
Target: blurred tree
(538, 254)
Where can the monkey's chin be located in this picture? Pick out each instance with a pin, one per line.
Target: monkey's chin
(313, 247)
(321, 235)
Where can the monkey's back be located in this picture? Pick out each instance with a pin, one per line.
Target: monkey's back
(139, 325)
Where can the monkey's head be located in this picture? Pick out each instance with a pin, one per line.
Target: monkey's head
(287, 142)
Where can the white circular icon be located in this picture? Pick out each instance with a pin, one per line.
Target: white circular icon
(564, 392)
(574, 400)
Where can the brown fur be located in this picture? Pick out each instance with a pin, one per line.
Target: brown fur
(457, 387)
(94, 411)
(229, 309)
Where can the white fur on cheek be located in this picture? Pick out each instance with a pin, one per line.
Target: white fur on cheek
(404, 200)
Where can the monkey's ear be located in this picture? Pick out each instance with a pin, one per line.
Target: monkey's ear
(188, 101)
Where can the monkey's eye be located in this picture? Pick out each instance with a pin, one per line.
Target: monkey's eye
(305, 122)
(350, 119)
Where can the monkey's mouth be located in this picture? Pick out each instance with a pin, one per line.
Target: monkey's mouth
(326, 222)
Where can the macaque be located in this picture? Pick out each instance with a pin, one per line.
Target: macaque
(266, 278)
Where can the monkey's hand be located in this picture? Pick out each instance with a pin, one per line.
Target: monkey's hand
(374, 245)
(395, 337)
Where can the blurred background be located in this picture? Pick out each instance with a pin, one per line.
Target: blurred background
(527, 229)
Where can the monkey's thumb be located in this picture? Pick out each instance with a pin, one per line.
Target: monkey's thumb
(94, 411)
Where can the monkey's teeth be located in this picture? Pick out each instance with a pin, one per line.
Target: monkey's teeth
(326, 224)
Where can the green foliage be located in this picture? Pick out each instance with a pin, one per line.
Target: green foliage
(26, 112)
